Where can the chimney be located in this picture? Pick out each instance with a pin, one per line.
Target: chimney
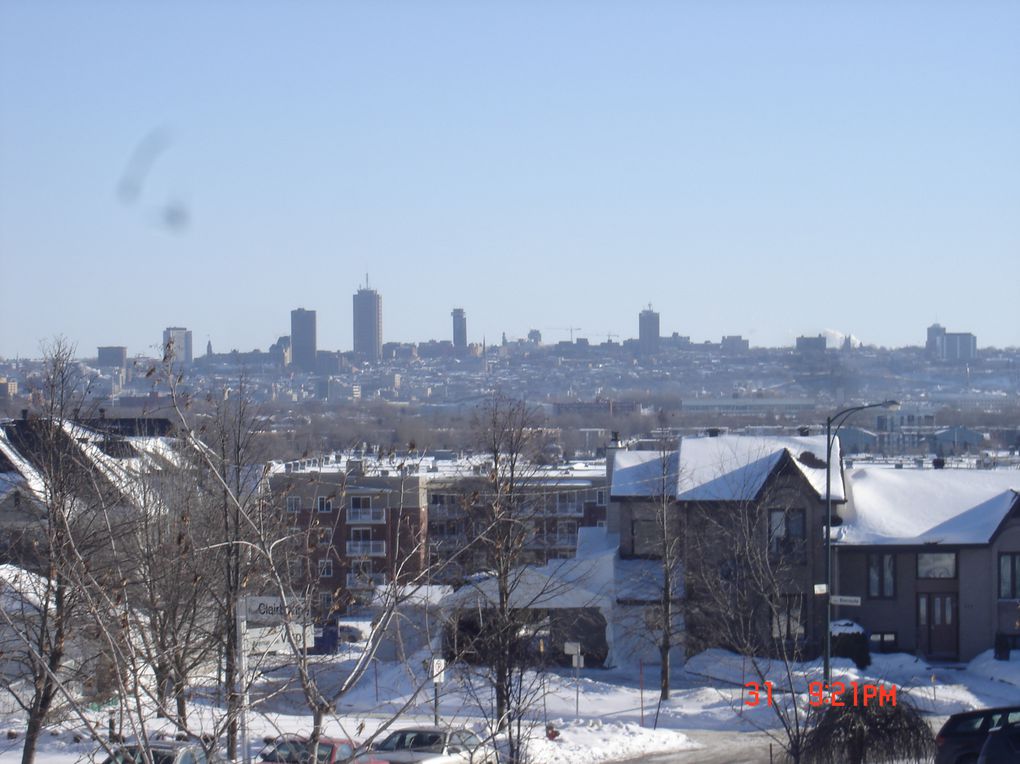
(614, 446)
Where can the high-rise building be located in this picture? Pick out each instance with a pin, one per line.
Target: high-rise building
(459, 331)
(368, 324)
(181, 338)
(112, 356)
(302, 339)
(954, 347)
(648, 331)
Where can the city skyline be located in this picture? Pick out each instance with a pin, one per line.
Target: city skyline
(769, 171)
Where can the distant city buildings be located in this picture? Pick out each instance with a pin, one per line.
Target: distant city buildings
(368, 324)
(181, 339)
(954, 347)
(459, 331)
(648, 331)
(302, 339)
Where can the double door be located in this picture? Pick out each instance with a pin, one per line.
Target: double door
(937, 627)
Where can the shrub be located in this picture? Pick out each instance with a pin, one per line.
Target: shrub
(853, 734)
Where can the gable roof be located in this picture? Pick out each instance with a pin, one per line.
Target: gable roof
(723, 468)
(914, 507)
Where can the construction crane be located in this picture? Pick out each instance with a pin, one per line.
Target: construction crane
(570, 329)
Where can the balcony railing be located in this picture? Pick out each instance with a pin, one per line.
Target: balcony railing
(366, 548)
(568, 508)
(372, 516)
(447, 542)
(365, 580)
(445, 511)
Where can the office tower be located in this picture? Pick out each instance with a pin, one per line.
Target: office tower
(935, 344)
(181, 338)
(648, 331)
(368, 324)
(112, 355)
(302, 339)
(459, 331)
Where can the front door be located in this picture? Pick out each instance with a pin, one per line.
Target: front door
(936, 625)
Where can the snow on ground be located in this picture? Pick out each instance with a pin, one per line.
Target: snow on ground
(616, 708)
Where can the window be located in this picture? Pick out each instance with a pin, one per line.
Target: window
(882, 575)
(883, 642)
(323, 504)
(1009, 576)
(361, 535)
(786, 531)
(936, 565)
(600, 497)
(293, 503)
(325, 568)
(361, 502)
(325, 536)
(325, 603)
(787, 619)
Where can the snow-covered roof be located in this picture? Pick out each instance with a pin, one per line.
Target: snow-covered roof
(20, 590)
(912, 507)
(723, 468)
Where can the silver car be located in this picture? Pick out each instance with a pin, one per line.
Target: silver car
(432, 745)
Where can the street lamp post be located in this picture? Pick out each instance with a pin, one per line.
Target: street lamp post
(838, 419)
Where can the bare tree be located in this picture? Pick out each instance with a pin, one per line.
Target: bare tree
(65, 503)
(745, 584)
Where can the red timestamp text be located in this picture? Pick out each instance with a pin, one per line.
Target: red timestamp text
(851, 694)
(836, 694)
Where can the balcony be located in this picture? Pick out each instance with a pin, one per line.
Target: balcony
(366, 548)
(373, 516)
(365, 580)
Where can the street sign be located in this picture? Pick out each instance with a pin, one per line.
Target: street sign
(572, 648)
(438, 667)
(264, 611)
(578, 661)
(839, 599)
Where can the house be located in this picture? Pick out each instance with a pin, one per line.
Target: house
(723, 503)
(934, 555)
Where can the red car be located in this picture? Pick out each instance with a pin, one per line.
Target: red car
(298, 750)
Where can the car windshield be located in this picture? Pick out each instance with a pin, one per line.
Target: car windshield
(413, 740)
(298, 752)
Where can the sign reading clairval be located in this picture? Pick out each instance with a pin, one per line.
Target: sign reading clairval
(269, 611)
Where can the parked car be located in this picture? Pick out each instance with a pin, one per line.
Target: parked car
(1002, 746)
(169, 752)
(432, 745)
(298, 750)
(962, 736)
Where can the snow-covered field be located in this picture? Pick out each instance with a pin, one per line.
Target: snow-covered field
(616, 715)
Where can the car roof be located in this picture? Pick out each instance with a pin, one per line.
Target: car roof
(980, 711)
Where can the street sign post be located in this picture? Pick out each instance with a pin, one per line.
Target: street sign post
(438, 677)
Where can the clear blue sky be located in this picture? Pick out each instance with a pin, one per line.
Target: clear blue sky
(765, 168)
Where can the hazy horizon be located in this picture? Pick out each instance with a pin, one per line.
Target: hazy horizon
(770, 170)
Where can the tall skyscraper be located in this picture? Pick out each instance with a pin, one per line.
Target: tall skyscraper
(459, 331)
(648, 331)
(181, 338)
(368, 324)
(302, 339)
